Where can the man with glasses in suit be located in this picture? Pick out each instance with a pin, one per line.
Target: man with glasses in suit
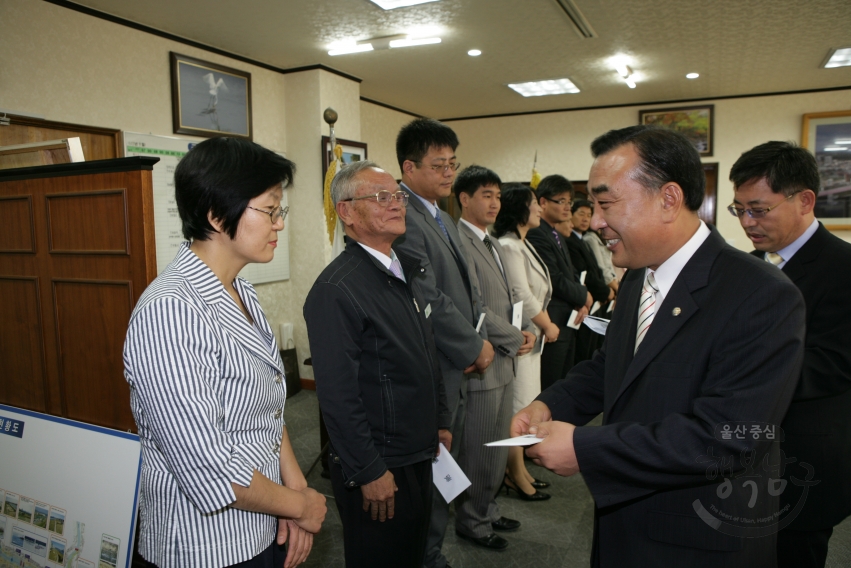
(425, 149)
(776, 186)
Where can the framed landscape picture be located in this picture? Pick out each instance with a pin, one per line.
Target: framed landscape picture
(695, 123)
(827, 135)
(209, 99)
(352, 152)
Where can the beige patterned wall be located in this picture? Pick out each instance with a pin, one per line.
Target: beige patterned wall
(380, 126)
(562, 140)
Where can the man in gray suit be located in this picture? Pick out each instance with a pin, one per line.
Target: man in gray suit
(425, 149)
(489, 399)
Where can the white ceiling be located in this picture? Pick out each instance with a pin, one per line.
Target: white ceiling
(738, 46)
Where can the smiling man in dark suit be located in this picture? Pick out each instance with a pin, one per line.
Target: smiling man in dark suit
(704, 339)
(776, 186)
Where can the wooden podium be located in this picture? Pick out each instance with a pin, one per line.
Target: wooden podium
(76, 252)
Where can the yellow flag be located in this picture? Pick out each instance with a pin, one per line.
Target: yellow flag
(330, 212)
(536, 179)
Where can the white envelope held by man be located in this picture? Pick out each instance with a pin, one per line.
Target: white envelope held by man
(448, 476)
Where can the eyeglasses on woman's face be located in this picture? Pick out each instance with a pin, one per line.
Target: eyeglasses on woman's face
(275, 214)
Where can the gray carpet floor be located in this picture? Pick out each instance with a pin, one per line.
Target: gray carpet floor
(555, 533)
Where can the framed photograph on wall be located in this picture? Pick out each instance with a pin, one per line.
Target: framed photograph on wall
(827, 135)
(696, 123)
(352, 152)
(209, 99)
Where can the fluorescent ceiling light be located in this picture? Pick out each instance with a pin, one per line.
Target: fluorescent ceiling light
(846, 142)
(630, 83)
(474, 52)
(356, 48)
(623, 70)
(835, 148)
(839, 57)
(540, 88)
(393, 4)
(412, 42)
(692, 75)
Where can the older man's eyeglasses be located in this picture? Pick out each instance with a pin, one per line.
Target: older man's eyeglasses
(756, 213)
(274, 214)
(384, 197)
(443, 168)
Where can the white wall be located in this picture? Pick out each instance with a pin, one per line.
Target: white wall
(562, 140)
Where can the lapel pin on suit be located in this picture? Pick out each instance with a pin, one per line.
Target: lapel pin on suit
(676, 311)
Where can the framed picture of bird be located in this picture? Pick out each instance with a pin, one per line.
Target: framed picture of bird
(210, 99)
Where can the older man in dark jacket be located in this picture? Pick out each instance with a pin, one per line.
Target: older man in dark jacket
(377, 376)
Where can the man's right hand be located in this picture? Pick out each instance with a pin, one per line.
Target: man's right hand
(484, 359)
(589, 301)
(526, 421)
(314, 511)
(379, 497)
(580, 316)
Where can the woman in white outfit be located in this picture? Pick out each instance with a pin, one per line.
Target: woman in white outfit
(530, 282)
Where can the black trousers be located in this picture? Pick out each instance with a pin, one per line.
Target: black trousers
(398, 542)
(802, 549)
(557, 358)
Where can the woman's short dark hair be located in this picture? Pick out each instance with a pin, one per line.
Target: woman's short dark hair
(220, 176)
(514, 210)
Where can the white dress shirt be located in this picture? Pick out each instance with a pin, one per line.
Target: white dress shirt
(385, 260)
(787, 253)
(668, 271)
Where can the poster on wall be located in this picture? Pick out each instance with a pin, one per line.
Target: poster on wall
(77, 508)
(827, 135)
(167, 226)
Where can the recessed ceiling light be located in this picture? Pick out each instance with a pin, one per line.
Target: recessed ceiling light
(474, 52)
(393, 4)
(412, 42)
(549, 87)
(839, 57)
(630, 83)
(692, 75)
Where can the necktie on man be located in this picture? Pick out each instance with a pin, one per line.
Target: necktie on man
(440, 222)
(773, 258)
(646, 307)
(396, 269)
(558, 239)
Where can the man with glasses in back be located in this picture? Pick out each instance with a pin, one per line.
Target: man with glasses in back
(776, 186)
(555, 195)
(377, 376)
(425, 149)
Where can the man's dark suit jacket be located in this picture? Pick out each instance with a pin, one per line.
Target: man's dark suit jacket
(583, 260)
(725, 346)
(568, 293)
(818, 424)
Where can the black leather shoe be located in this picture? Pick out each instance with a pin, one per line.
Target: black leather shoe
(509, 485)
(505, 524)
(493, 541)
(538, 484)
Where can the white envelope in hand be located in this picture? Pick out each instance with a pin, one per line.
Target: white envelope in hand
(448, 476)
(597, 325)
(526, 440)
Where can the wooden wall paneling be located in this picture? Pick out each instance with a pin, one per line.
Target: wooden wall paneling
(24, 381)
(16, 214)
(98, 143)
(93, 222)
(91, 322)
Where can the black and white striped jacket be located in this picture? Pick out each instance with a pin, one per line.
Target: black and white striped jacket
(207, 393)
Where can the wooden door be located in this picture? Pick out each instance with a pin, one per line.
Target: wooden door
(76, 251)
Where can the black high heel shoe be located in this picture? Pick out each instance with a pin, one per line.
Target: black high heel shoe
(538, 484)
(536, 496)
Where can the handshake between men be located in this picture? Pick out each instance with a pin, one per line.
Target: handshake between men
(556, 451)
